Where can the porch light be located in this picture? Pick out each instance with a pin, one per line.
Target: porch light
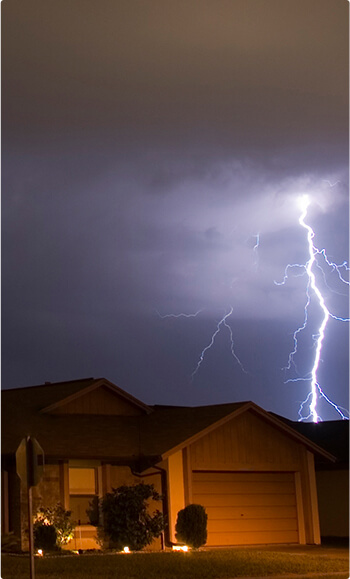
(40, 552)
(126, 550)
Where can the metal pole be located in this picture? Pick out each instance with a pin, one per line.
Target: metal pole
(29, 452)
(31, 535)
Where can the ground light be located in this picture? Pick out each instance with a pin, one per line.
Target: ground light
(183, 548)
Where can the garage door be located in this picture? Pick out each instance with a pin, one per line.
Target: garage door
(247, 508)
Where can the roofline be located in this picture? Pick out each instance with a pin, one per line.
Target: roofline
(96, 384)
(47, 384)
(265, 415)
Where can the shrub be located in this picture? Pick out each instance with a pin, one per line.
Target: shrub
(58, 518)
(191, 526)
(45, 537)
(93, 512)
(126, 520)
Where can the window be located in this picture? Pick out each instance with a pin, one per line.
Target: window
(82, 488)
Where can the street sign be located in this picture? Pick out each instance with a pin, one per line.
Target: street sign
(30, 461)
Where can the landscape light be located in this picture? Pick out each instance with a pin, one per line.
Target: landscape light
(183, 548)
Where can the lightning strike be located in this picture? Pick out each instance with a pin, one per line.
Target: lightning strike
(331, 184)
(221, 323)
(255, 250)
(313, 289)
(181, 315)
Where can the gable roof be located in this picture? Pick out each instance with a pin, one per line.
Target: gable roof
(51, 395)
(183, 426)
(28, 411)
(154, 434)
(93, 384)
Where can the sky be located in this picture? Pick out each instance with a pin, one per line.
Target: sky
(154, 153)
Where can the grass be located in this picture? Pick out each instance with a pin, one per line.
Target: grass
(220, 564)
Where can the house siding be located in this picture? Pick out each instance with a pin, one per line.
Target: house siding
(250, 444)
(45, 494)
(246, 442)
(176, 491)
(99, 401)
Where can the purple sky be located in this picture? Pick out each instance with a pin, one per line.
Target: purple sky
(146, 145)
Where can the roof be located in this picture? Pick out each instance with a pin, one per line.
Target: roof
(332, 435)
(154, 434)
(170, 427)
(46, 396)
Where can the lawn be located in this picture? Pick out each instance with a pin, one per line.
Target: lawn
(219, 564)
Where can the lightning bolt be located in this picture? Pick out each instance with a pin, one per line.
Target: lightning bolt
(313, 289)
(255, 250)
(221, 323)
(181, 315)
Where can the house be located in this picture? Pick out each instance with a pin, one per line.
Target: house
(253, 472)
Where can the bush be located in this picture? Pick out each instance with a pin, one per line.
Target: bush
(126, 520)
(93, 512)
(191, 526)
(58, 518)
(45, 537)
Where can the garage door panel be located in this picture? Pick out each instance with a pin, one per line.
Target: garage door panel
(255, 538)
(251, 525)
(247, 508)
(226, 476)
(244, 500)
(252, 512)
(245, 487)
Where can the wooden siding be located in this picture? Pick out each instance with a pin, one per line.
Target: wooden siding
(176, 491)
(248, 508)
(99, 401)
(247, 442)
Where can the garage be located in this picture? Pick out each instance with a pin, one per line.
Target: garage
(246, 508)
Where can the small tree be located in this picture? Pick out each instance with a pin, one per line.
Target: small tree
(58, 518)
(126, 519)
(191, 526)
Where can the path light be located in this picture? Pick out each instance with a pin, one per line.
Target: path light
(183, 548)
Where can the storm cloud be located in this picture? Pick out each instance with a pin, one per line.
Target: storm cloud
(153, 157)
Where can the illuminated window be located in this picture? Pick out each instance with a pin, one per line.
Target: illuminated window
(82, 488)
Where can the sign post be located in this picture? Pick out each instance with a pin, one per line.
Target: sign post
(30, 466)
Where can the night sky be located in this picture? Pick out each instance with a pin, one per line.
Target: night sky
(154, 152)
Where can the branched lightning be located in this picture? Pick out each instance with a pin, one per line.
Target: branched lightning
(313, 289)
(221, 323)
(181, 315)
